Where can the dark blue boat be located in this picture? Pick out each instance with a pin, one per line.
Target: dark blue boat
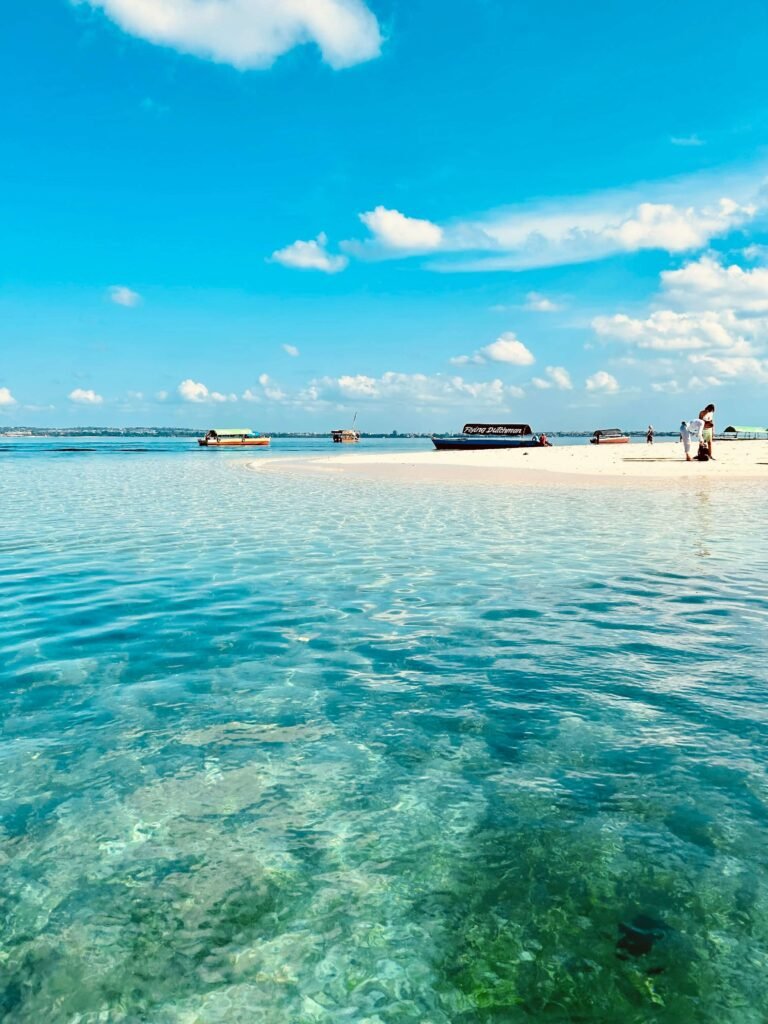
(483, 436)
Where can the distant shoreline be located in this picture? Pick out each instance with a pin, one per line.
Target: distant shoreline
(22, 431)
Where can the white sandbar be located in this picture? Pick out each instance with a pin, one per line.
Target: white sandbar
(663, 462)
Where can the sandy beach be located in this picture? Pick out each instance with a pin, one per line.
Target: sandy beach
(610, 465)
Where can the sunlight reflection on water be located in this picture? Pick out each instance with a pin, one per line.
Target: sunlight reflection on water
(279, 749)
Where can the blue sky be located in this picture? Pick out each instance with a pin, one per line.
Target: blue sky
(279, 214)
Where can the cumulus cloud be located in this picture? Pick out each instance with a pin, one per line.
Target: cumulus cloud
(193, 391)
(602, 381)
(721, 325)
(6, 398)
(270, 389)
(312, 255)
(556, 377)
(393, 230)
(410, 389)
(251, 33)
(668, 330)
(676, 216)
(85, 397)
(667, 387)
(506, 349)
(291, 350)
(731, 367)
(707, 284)
(122, 296)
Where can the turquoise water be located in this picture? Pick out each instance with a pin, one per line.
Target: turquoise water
(289, 750)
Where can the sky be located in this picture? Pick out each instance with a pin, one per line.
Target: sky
(279, 213)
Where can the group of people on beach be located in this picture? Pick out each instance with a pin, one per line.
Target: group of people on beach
(701, 430)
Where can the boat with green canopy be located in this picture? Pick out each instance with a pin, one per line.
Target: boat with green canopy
(733, 433)
(234, 437)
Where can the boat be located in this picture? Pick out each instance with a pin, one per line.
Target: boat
(732, 433)
(346, 436)
(232, 438)
(610, 436)
(485, 436)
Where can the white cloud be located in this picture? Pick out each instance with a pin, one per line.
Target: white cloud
(122, 296)
(557, 377)
(85, 397)
(6, 398)
(732, 366)
(667, 387)
(411, 389)
(161, 395)
(394, 231)
(311, 255)
(251, 33)
(291, 350)
(686, 140)
(539, 303)
(194, 391)
(602, 381)
(675, 229)
(756, 252)
(506, 349)
(677, 216)
(668, 330)
(706, 284)
(270, 389)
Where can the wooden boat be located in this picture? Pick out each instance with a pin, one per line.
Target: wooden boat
(232, 439)
(610, 436)
(485, 436)
(345, 436)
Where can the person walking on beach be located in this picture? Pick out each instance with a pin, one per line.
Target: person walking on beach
(707, 414)
(649, 435)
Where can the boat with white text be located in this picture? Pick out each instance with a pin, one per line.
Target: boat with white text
(491, 436)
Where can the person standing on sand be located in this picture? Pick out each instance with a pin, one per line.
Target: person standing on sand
(649, 435)
(685, 437)
(707, 414)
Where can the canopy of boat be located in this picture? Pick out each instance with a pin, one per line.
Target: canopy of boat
(610, 432)
(231, 432)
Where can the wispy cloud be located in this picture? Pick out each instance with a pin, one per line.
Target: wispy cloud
(686, 140)
(538, 303)
(82, 396)
(251, 33)
(291, 350)
(311, 255)
(412, 389)
(123, 296)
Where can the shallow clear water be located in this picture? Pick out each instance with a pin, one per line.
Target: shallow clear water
(298, 750)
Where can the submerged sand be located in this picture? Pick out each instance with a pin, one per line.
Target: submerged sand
(663, 462)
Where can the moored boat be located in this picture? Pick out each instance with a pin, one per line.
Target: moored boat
(232, 438)
(484, 436)
(345, 436)
(610, 436)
